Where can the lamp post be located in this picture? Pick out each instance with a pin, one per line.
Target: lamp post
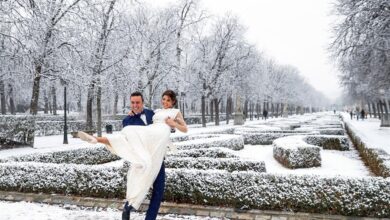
(65, 119)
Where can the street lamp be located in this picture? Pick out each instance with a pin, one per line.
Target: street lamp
(63, 82)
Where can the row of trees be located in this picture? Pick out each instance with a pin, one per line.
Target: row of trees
(362, 49)
(104, 50)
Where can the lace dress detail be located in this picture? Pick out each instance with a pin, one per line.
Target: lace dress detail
(145, 148)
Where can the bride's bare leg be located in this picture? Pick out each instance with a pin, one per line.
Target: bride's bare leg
(103, 140)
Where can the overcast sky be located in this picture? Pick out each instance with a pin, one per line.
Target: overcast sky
(295, 32)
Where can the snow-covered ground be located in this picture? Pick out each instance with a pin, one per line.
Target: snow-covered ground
(370, 132)
(334, 163)
(342, 163)
(34, 211)
(345, 163)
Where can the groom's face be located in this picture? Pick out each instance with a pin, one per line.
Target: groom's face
(136, 104)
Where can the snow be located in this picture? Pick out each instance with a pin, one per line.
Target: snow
(35, 211)
(370, 132)
(334, 163)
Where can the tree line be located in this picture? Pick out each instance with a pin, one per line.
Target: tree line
(102, 50)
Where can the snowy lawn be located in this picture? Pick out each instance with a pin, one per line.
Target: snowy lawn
(334, 163)
(370, 132)
(35, 211)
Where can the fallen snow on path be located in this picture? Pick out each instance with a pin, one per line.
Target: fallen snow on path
(334, 163)
(370, 132)
(37, 211)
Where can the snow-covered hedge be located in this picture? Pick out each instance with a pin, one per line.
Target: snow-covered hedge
(234, 142)
(377, 159)
(76, 179)
(368, 196)
(16, 130)
(332, 131)
(216, 152)
(205, 163)
(328, 142)
(92, 155)
(293, 152)
(258, 136)
(314, 194)
(44, 128)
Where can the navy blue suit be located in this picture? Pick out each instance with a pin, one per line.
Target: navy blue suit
(159, 183)
(136, 119)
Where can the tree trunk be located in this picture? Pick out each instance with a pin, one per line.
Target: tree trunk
(90, 95)
(46, 100)
(116, 100)
(228, 109)
(2, 97)
(380, 110)
(35, 91)
(384, 103)
(79, 105)
(203, 109)
(54, 96)
(250, 111)
(277, 110)
(99, 109)
(373, 108)
(211, 110)
(246, 109)
(216, 103)
(11, 100)
(369, 109)
(124, 104)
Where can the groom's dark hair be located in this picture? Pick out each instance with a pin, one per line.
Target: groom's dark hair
(137, 94)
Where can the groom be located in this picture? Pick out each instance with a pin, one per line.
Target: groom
(143, 116)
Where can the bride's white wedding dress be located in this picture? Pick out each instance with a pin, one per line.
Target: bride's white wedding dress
(145, 148)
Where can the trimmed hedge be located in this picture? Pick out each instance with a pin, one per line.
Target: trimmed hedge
(265, 137)
(314, 194)
(328, 142)
(368, 196)
(89, 156)
(234, 142)
(204, 163)
(16, 131)
(377, 159)
(293, 152)
(206, 152)
(84, 180)
(44, 128)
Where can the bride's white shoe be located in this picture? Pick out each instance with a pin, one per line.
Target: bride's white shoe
(86, 137)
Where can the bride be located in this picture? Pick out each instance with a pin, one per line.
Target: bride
(144, 147)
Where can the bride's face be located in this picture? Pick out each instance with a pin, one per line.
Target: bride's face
(166, 102)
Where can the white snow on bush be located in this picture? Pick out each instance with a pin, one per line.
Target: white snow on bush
(97, 154)
(234, 142)
(314, 194)
(217, 152)
(205, 163)
(293, 152)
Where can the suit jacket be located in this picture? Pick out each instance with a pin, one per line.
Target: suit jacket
(136, 119)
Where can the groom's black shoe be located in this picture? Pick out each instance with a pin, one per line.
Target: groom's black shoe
(126, 211)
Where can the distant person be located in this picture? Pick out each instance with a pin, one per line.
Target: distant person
(265, 114)
(351, 114)
(363, 114)
(334, 111)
